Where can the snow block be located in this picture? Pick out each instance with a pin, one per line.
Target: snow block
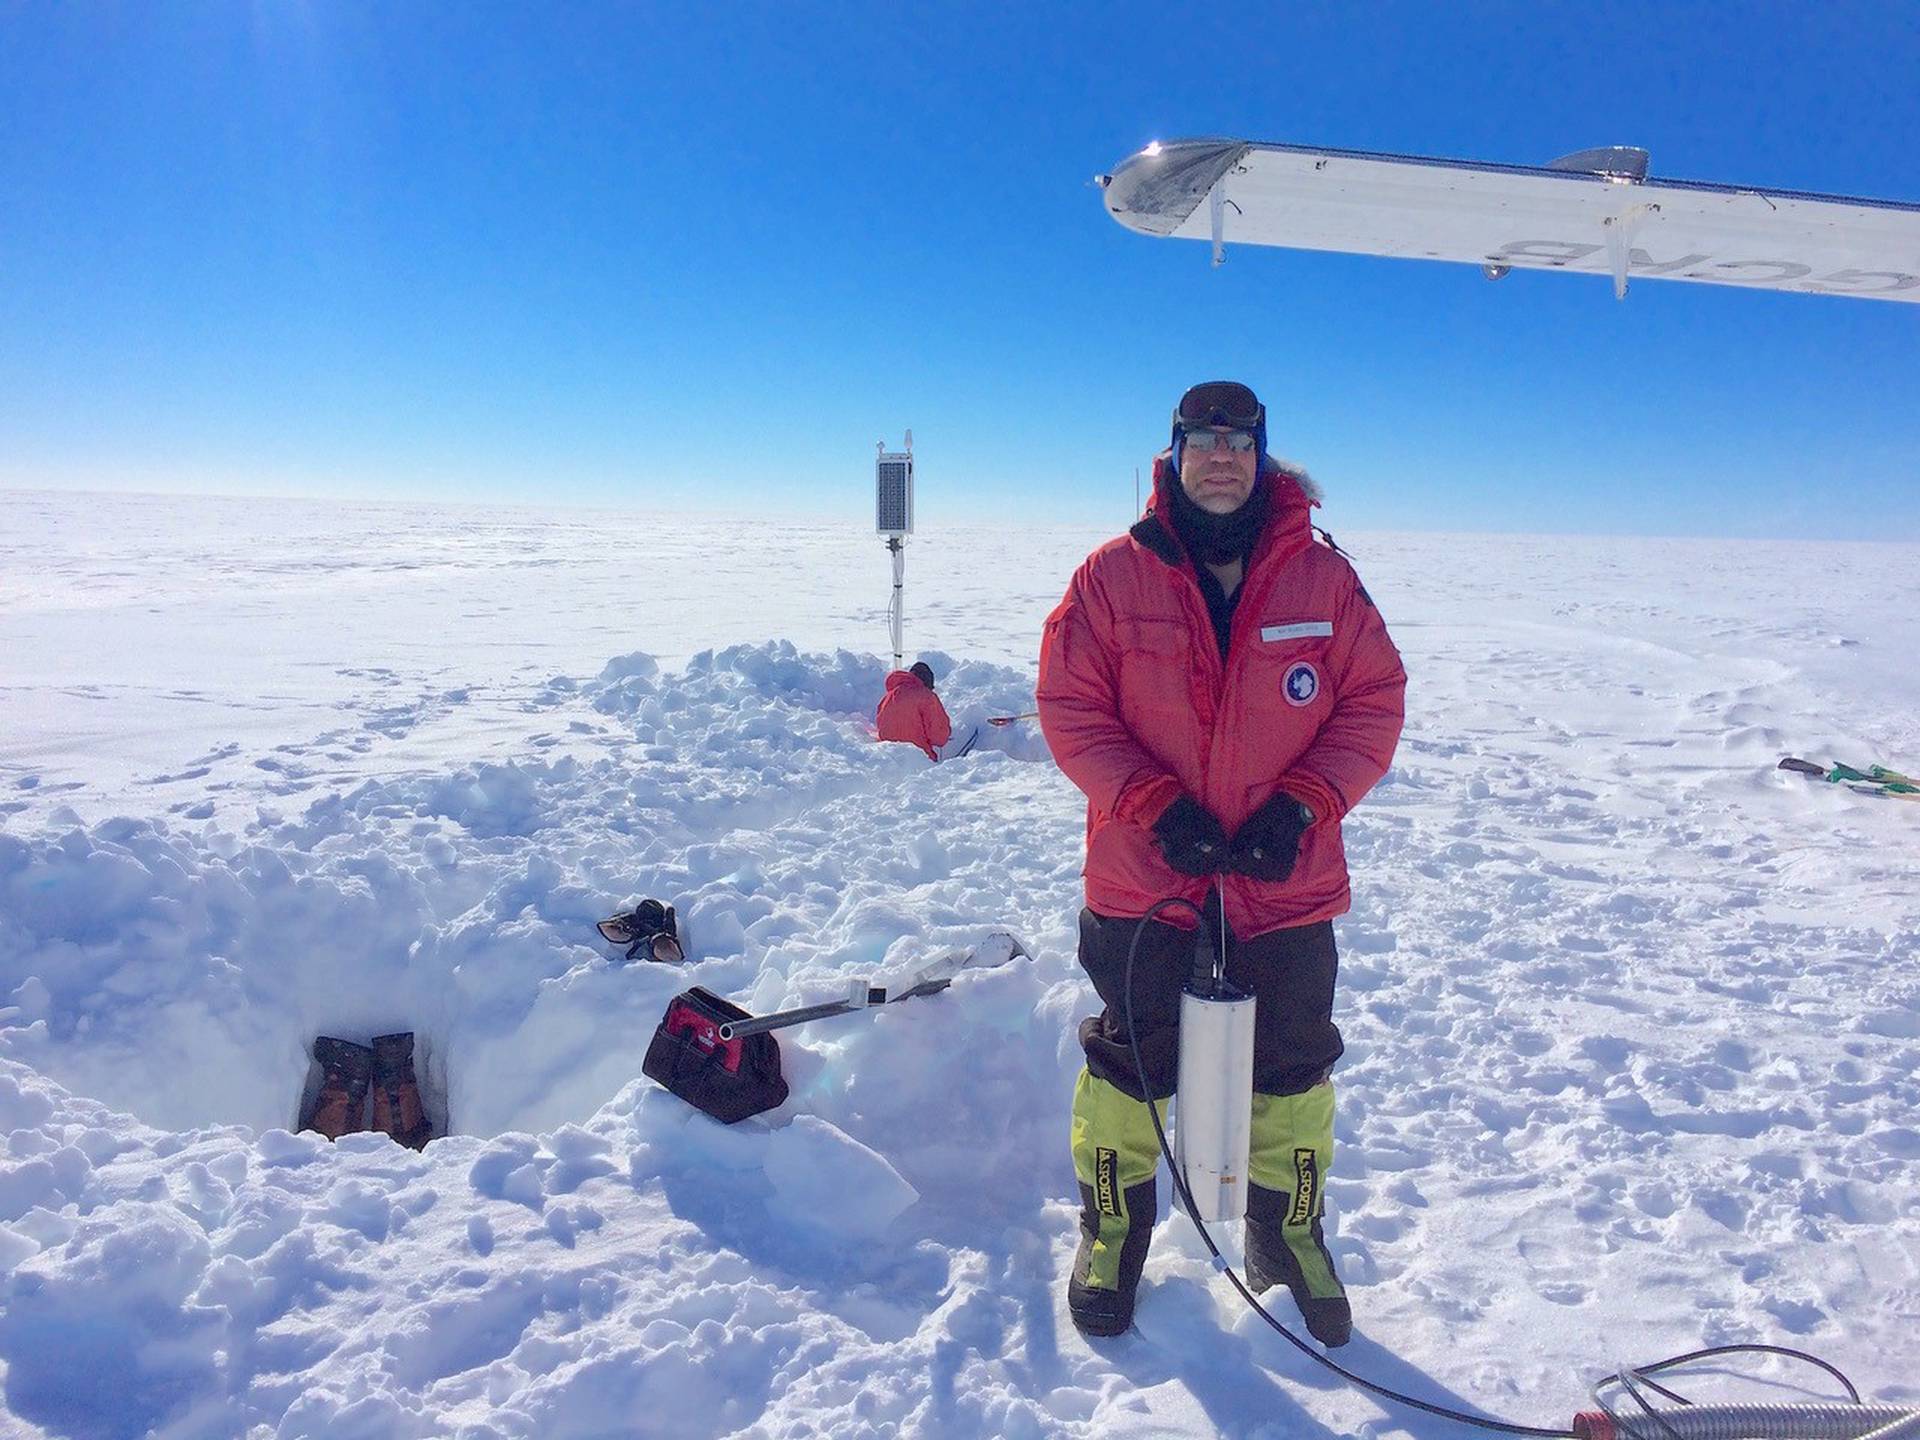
(828, 1180)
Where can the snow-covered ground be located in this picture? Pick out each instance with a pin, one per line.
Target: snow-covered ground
(1633, 1019)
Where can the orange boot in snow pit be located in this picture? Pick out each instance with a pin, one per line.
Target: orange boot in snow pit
(341, 1106)
(397, 1110)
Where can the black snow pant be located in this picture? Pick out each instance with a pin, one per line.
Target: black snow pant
(1290, 972)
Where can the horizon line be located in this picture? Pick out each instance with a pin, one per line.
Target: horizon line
(768, 514)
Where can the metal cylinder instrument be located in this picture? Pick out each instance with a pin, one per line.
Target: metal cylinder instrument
(1213, 1109)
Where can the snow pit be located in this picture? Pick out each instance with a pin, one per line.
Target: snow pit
(181, 971)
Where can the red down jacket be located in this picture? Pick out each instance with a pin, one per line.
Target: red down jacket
(911, 712)
(1137, 706)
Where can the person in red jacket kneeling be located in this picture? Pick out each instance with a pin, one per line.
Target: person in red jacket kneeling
(1221, 686)
(912, 713)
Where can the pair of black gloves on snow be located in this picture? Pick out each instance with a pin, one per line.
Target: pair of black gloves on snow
(1264, 848)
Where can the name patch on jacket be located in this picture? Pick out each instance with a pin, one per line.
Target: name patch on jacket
(1299, 630)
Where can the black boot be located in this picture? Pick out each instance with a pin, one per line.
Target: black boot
(341, 1106)
(397, 1108)
(1273, 1259)
(1097, 1308)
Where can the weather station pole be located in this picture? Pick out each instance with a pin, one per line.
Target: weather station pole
(898, 546)
(893, 519)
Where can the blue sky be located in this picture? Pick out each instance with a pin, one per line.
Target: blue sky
(706, 256)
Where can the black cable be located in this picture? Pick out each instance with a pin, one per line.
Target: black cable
(1654, 1385)
(1639, 1372)
(1853, 1395)
(1625, 1378)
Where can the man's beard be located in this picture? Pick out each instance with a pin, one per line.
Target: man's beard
(1219, 539)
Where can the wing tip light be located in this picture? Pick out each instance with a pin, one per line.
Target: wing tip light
(1155, 189)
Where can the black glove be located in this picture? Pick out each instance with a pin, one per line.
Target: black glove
(1269, 842)
(1192, 840)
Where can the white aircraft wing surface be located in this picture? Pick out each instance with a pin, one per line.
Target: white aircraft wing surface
(1594, 212)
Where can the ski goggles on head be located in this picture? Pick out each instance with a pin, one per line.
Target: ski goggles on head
(1220, 403)
(1204, 440)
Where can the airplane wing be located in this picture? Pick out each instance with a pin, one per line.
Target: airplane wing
(1595, 212)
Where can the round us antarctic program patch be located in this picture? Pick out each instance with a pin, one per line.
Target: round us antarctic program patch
(1302, 683)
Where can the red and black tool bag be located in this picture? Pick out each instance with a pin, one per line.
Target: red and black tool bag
(728, 1079)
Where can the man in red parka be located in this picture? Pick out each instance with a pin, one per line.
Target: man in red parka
(910, 711)
(1220, 685)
